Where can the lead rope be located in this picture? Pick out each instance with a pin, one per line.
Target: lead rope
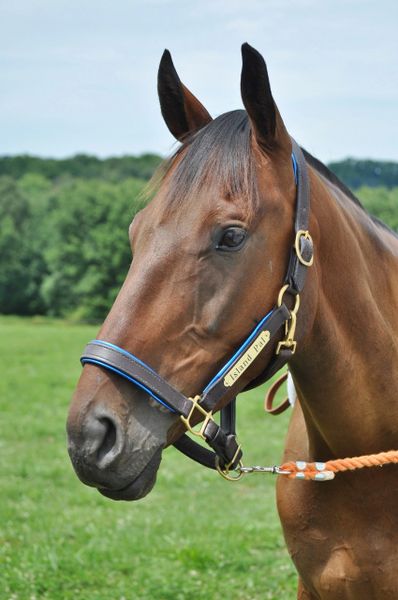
(316, 471)
(324, 471)
(309, 471)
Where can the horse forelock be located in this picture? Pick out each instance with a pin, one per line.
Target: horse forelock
(218, 158)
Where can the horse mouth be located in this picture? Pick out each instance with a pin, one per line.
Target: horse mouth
(140, 486)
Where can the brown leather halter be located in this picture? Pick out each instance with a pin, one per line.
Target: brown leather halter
(227, 453)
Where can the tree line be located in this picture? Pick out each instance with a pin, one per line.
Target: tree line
(63, 231)
(354, 173)
(82, 166)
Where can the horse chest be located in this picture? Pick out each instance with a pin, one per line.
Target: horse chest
(343, 540)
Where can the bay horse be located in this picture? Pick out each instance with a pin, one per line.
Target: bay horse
(209, 255)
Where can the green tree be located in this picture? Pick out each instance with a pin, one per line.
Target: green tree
(373, 173)
(382, 203)
(81, 166)
(14, 274)
(89, 254)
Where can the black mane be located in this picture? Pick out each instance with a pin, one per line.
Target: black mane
(222, 151)
(330, 176)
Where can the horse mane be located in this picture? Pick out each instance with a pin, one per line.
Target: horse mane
(221, 153)
(330, 176)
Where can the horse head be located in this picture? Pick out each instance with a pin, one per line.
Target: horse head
(209, 253)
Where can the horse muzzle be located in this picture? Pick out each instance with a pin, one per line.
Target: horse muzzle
(105, 455)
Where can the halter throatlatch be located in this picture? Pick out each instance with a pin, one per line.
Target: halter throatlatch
(226, 453)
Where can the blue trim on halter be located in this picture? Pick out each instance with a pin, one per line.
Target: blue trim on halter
(295, 168)
(220, 373)
(122, 351)
(241, 349)
(123, 374)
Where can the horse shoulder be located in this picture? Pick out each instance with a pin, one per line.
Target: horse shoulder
(341, 535)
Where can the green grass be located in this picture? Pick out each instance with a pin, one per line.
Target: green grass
(194, 537)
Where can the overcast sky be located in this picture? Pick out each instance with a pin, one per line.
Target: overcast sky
(80, 75)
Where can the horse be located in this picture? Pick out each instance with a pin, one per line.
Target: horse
(210, 252)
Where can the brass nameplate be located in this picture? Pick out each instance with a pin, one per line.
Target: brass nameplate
(244, 363)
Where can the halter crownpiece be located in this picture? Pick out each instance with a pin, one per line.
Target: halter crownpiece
(226, 455)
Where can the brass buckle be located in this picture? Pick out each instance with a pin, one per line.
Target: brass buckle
(288, 344)
(303, 233)
(226, 473)
(290, 325)
(202, 426)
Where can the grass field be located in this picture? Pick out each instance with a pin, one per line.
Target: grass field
(195, 536)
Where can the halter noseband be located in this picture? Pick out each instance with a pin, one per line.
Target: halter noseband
(227, 453)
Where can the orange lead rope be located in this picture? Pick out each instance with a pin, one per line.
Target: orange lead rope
(315, 471)
(318, 471)
(303, 470)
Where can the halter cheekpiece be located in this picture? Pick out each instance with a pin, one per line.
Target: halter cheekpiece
(226, 453)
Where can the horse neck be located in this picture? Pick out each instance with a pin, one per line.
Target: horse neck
(345, 369)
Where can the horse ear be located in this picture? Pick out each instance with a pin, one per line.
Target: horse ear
(181, 111)
(267, 124)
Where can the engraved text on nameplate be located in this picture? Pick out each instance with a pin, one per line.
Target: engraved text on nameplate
(246, 360)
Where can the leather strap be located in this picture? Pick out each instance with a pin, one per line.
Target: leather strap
(128, 366)
(228, 417)
(215, 392)
(270, 397)
(225, 445)
(196, 452)
(277, 362)
(297, 271)
(202, 455)
(106, 355)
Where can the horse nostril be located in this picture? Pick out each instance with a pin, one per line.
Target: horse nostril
(103, 440)
(109, 438)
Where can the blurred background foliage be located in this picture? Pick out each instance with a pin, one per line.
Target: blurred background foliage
(63, 234)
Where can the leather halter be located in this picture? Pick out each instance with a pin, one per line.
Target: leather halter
(227, 453)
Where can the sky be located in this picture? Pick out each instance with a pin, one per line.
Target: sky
(80, 75)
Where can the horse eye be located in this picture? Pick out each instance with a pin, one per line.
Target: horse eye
(232, 238)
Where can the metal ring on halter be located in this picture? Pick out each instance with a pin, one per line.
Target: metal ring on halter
(226, 473)
(290, 325)
(303, 233)
(282, 292)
